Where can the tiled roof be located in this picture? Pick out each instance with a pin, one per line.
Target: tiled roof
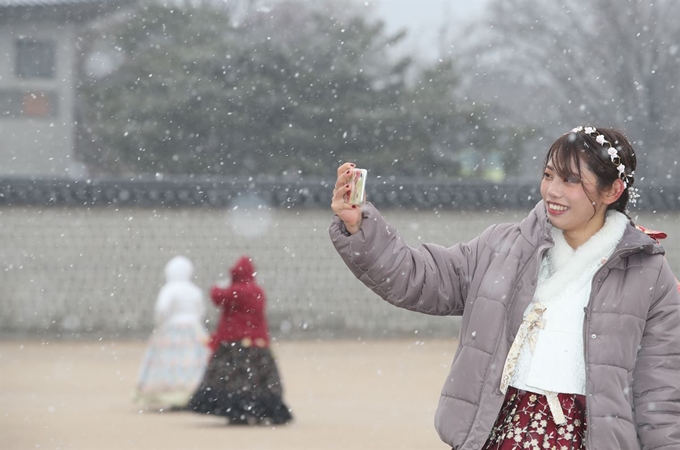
(285, 194)
(42, 3)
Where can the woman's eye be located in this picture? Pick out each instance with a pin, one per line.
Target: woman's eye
(546, 175)
(572, 180)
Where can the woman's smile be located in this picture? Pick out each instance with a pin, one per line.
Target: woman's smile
(556, 209)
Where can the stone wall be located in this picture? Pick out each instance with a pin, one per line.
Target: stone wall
(76, 271)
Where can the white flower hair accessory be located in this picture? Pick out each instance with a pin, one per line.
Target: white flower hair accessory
(633, 193)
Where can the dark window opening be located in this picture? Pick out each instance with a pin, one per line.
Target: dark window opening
(35, 59)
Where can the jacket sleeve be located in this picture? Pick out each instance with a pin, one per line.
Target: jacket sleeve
(223, 295)
(430, 279)
(656, 379)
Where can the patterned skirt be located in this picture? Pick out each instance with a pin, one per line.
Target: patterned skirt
(172, 366)
(242, 383)
(525, 422)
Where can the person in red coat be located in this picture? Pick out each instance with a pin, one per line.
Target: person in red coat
(243, 308)
(242, 382)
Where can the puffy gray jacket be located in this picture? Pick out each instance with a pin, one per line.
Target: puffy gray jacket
(631, 327)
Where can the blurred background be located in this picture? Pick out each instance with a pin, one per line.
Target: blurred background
(135, 130)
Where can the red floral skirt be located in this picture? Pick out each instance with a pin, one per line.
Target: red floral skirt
(525, 422)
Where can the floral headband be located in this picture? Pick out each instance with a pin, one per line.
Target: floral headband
(633, 194)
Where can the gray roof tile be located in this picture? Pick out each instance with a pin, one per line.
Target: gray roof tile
(39, 3)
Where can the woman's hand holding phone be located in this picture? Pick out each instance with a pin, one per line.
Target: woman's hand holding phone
(348, 195)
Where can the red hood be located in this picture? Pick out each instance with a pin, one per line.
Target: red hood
(243, 271)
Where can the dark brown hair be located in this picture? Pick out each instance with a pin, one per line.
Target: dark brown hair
(577, 147)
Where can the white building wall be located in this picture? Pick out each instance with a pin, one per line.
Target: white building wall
(39, 146)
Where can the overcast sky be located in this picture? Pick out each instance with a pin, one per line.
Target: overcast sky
(424, 19)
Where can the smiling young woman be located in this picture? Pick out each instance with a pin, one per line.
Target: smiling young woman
(570, 318)
(580, 186)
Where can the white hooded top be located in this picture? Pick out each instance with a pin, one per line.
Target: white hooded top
(180, 301)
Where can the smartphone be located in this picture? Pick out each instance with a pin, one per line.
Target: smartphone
(357, 184)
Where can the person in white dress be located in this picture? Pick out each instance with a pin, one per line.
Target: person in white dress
(177, 352)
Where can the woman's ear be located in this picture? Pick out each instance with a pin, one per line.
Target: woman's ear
(613, 192)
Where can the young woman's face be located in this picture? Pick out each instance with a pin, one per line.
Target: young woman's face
(569, 207)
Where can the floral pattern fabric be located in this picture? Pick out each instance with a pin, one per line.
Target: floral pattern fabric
(525, 422)
(526, 333)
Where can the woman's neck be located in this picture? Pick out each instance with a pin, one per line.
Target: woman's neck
(578, 237)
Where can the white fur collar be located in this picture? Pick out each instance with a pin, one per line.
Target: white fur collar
(568, 265)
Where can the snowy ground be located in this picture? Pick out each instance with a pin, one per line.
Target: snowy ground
(345, 395)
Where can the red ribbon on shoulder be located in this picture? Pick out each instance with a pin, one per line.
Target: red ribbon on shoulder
(656, 235)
